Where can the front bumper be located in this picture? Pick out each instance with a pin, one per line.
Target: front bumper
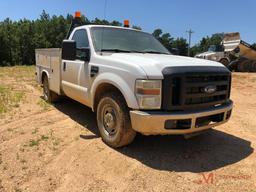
(154, 122)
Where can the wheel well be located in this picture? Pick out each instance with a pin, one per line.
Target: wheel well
(44, 74)
(103, 88)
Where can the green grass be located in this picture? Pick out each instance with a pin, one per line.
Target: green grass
(44, 138)
(44, 105)
(18, 96)
(4, 93)
(9, 98)
(18, 72)
(36, 142)
(33, 142)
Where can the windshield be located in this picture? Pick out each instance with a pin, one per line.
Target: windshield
(216, 48)
(124, 40)
(212, 48)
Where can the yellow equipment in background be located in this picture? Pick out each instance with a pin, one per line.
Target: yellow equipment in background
(245, 53)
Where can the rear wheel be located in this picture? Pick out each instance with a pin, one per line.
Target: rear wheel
(113, 120)
(49, 96)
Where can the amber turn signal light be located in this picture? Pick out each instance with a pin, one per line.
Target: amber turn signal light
(148, 91)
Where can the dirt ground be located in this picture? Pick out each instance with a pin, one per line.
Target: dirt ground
(57, 148)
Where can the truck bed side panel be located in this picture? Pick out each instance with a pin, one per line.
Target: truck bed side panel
(49, 60)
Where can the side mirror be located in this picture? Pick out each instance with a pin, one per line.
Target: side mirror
(68, 50)
(83, 54)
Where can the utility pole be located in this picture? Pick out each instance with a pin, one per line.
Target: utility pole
(190, 32)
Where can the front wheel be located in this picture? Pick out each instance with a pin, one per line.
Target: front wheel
(113, 120)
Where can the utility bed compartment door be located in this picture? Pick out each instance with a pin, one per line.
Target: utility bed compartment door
(49, 60)
(55, 66)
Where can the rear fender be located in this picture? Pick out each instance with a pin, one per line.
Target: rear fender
(42, 75)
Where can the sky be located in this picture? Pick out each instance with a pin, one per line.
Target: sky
(204, 17)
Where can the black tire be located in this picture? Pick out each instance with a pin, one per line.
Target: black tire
(113, 120)
(49, 96)
(224, 61)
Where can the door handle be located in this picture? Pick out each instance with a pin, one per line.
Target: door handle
(94, 71)
(64, 66)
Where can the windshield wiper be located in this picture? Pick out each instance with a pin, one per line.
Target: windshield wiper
(115, 50)
(155, 52)
(121, 51)
(130, 51)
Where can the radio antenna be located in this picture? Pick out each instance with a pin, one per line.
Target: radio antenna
(105, 9)
(102, 32)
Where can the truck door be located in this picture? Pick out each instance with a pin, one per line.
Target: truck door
(75, 76)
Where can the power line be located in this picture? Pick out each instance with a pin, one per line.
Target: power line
(190, 32)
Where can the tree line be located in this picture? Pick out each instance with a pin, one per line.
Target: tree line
(19, 39)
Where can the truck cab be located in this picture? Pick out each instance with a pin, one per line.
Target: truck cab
(133, 83)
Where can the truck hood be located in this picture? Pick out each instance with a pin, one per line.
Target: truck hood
(153, 64)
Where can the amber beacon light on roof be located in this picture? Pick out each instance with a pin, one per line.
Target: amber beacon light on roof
(126, 23)
(76, 22)
(77, 14)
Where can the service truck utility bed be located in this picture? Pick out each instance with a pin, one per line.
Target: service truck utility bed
(49, 62)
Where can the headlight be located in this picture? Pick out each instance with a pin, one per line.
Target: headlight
(148, 93)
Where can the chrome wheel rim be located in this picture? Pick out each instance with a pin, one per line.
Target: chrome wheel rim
(109, 120)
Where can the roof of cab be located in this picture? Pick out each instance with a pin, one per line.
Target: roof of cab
(106, 26)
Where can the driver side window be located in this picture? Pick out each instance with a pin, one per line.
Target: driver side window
(82, 42)
(81, 39)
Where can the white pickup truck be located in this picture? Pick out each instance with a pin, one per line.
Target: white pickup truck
(134, 84)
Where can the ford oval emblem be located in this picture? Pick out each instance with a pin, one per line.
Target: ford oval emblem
(210, 89)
